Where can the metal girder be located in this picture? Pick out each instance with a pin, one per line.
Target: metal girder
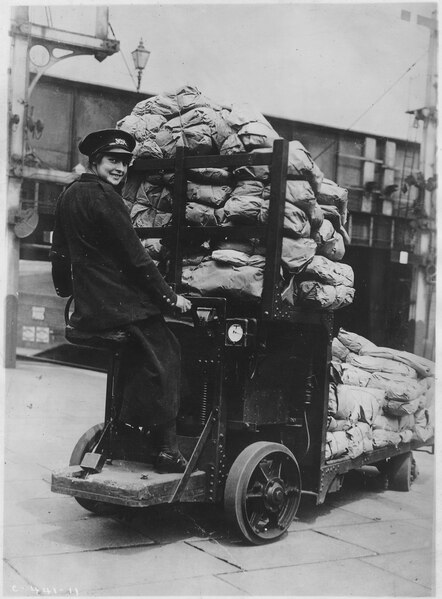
(67, 40)
(74, 44)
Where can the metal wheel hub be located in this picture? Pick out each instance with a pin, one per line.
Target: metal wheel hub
(274, 494)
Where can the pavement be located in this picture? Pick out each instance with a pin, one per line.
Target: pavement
(364, 540)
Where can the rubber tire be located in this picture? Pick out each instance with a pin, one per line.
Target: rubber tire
(242, 472)
(86, 443)
(400, 472)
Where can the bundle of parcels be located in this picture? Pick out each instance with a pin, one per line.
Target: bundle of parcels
(379, 397)
(315, 209)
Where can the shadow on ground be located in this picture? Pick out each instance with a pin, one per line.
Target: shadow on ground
(171, 523)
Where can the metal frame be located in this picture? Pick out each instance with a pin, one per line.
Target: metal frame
(272, 307)
(338, 467)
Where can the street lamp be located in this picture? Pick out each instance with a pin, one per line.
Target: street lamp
(140, 56)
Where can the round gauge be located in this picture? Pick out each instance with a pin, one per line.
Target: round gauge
(235, 332)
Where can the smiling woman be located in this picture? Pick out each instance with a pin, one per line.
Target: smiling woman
(110, 167)
(98, 259)
(109, 152)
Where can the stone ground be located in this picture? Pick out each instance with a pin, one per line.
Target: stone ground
(362, 541)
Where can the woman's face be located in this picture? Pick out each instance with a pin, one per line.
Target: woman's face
(112, 168)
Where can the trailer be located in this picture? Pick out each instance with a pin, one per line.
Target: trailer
(253, 420)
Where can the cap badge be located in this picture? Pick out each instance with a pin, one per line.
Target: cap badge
(120, 142)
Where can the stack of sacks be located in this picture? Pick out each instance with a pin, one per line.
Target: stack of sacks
(406, 381)
(144, 128)
(315, 209)
(182, 118)
(323, 284)
(351, 414)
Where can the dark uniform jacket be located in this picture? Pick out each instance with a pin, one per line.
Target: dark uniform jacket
(97, 256)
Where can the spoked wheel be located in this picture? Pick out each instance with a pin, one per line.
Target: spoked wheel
(263, 491)
(85, 444)
(401, 471)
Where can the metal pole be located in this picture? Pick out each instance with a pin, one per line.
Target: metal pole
(429, 143)
(102, 22)
(425, 290)
(18, 85)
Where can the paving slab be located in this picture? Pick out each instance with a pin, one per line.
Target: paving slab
(26, 489)
(13, 582)
(335, 579)
(19, 471)
(55, 461)
(33, 389)
(427, 523)
(58, 508)
(382, 537)
(202, 586)
(44, 441)
(172, 523)
(298, 525)
(68, 537)
(43, 463)
(312, 516)
(55, 422)
(416, 566)
(420, 500)
(386, 505)
(119, 567)
(301, 547)
(36, 427)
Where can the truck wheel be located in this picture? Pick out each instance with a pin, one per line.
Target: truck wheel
(263, 491)
(383, 468)
(86, 443)
(400, 475)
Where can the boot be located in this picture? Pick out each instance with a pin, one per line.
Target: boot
(169, 457)
(170, 462)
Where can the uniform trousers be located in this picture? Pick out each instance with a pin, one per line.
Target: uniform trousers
(151, 374)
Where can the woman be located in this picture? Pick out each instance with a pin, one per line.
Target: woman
(98, 258)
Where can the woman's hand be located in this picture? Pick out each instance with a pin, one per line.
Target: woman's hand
(183, 304)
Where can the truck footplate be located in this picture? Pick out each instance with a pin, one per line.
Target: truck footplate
(132, 484)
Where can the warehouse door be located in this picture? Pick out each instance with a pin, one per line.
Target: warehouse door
(380, 310)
